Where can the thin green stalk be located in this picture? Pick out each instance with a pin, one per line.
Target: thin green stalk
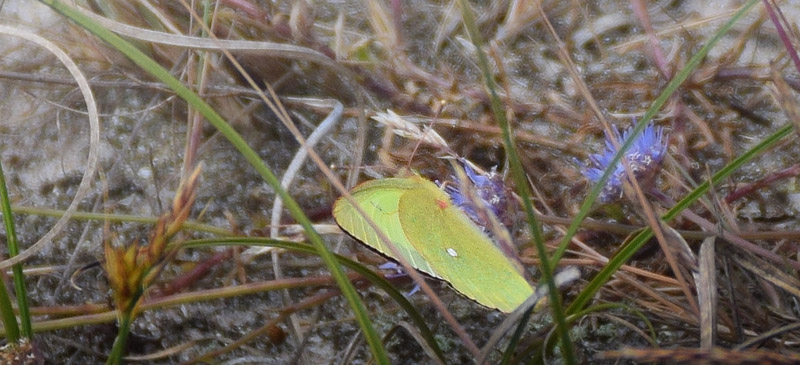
(118, 350)
(514, 341)
(128, 218)
(163, 75)
(521, 183)
(13, 250)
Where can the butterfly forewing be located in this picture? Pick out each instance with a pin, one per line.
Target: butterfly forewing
(380, 199)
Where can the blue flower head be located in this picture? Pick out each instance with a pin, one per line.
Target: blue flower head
(644, 158)
(489, 188)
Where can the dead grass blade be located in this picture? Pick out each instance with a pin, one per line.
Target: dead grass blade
(786, 99)
(707, 293)
(768, 272)
(94, 141)
(696, 356)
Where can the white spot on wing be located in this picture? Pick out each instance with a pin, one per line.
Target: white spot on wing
(452, 252)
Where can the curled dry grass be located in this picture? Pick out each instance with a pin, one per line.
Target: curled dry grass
(563, 79)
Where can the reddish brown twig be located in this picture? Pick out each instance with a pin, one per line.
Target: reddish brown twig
(183, 281)
(737, 194)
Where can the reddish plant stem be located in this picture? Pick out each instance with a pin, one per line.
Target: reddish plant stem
(183, 281)
(732, 73)
(773, 15)
(640, 9)
(737, 194)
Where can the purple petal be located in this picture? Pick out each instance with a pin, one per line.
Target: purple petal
(644, 157)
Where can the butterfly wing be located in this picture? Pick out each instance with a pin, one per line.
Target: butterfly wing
(380, 201)
(458, 250)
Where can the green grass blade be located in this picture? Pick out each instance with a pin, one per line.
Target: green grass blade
(236, 140)
(118, 348)
(521, 183)
(19, 277)
(514, 341)
(7, 313)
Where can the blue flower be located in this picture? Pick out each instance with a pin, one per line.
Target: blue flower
(644, 158)
(489, 188)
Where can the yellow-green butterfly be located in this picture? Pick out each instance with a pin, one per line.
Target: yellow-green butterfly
(435, 237)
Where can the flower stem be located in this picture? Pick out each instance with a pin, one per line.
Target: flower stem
(118, 350)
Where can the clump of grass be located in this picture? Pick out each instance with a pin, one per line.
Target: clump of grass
(133, 268)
